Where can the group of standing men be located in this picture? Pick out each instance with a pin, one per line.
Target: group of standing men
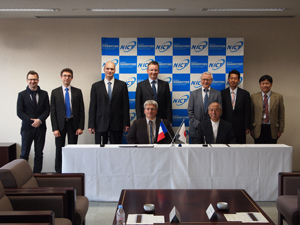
(262, 115)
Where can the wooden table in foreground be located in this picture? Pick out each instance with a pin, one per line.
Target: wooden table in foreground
(190, 203)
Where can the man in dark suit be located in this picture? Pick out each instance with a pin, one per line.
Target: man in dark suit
(109, 108)
(199, 102)
(146, 129)
(236, 104)
(215, 130)
(268, 113)
(33, 109)
(67, 114)
(154, 89)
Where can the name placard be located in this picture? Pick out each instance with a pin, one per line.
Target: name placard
(174, 216)
(211, 213)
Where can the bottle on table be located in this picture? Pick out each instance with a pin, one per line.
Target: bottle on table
(120, 215)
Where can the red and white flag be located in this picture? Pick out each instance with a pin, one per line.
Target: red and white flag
(182, 134)
(161, 132)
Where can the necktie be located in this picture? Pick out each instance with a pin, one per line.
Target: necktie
(109, 91)
(266, 110)
(205, 101)
(33, 95)
(151, 132)
(67, 103)
(154, 89)
(232, 99)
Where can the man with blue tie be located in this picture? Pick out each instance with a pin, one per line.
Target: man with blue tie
(154, 89)
(199, 101)
(67, 114)
(33, 109)
(109, 108)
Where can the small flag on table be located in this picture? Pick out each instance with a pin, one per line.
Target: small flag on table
(161, 132)
(182, 134)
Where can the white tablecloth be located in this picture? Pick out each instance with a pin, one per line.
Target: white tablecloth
(110, 169)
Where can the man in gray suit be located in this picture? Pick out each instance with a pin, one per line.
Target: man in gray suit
(67, 114)
(199, 101)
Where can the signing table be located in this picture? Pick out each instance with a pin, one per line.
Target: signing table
(112, 168)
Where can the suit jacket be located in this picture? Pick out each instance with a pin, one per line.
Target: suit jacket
(276, 113)
(196, 108)
(138, 133)
(225, 133)
(144, 92)
(58, 109)
(104, 117)
(240, 116)
(26, 111)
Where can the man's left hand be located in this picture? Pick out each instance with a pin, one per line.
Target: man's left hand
(36, 123)
(278, 135)
(126, 129)
(79, 132)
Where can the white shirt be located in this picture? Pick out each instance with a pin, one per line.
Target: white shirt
(112, 84)
(153, 129)
(156, 84)
(215, 128)
(203, 93)
(70, 96)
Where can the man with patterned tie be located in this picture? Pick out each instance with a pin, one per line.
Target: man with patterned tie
(199, 101)
(154, 89)
(109, 108)
(267, 113)
(67, 114)
(236, 104)
(146, 129)
(33, 109)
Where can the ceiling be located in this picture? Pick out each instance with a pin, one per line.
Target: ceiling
(179, 8)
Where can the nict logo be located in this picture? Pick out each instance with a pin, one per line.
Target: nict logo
(128, 47)
(132, 116)
(144, 65)
(130, 81)
(196, 84)
(199, 47)
(164, 47)
(168, 79)
(181, 65)
(235, 47)
(217, 65)
(180, 101)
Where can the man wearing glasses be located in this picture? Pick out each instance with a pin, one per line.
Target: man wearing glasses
(145, 130)
(67, 114)
(199, 101)
(154, 89)
(33, 109)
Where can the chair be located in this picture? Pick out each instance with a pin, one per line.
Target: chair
(8, 215)
(18, 174)
(288, 201)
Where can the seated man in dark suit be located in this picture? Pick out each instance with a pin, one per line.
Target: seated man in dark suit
(146, 129)
(215, 130)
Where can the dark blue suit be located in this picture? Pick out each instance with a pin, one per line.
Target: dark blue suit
(27, 111)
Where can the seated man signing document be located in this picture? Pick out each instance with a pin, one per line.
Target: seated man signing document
(215, 130)
(150, 129)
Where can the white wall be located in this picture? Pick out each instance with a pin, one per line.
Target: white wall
(49, 45)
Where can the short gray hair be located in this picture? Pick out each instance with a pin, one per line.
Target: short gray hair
(151, 102)
(208, 73)
(220, 107)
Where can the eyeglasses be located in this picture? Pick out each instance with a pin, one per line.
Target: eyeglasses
(150, 109)
(206, 79)
(67, 76)
(153, 71)
(32, 79)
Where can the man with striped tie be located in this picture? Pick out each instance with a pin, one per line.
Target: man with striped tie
(199, 101)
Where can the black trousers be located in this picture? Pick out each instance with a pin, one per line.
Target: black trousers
(265, 136)
(36, 135)
(60, 142)
(115, 137)
(240, 139)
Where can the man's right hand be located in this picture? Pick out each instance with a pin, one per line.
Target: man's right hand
(56, 133)
(92, 130)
